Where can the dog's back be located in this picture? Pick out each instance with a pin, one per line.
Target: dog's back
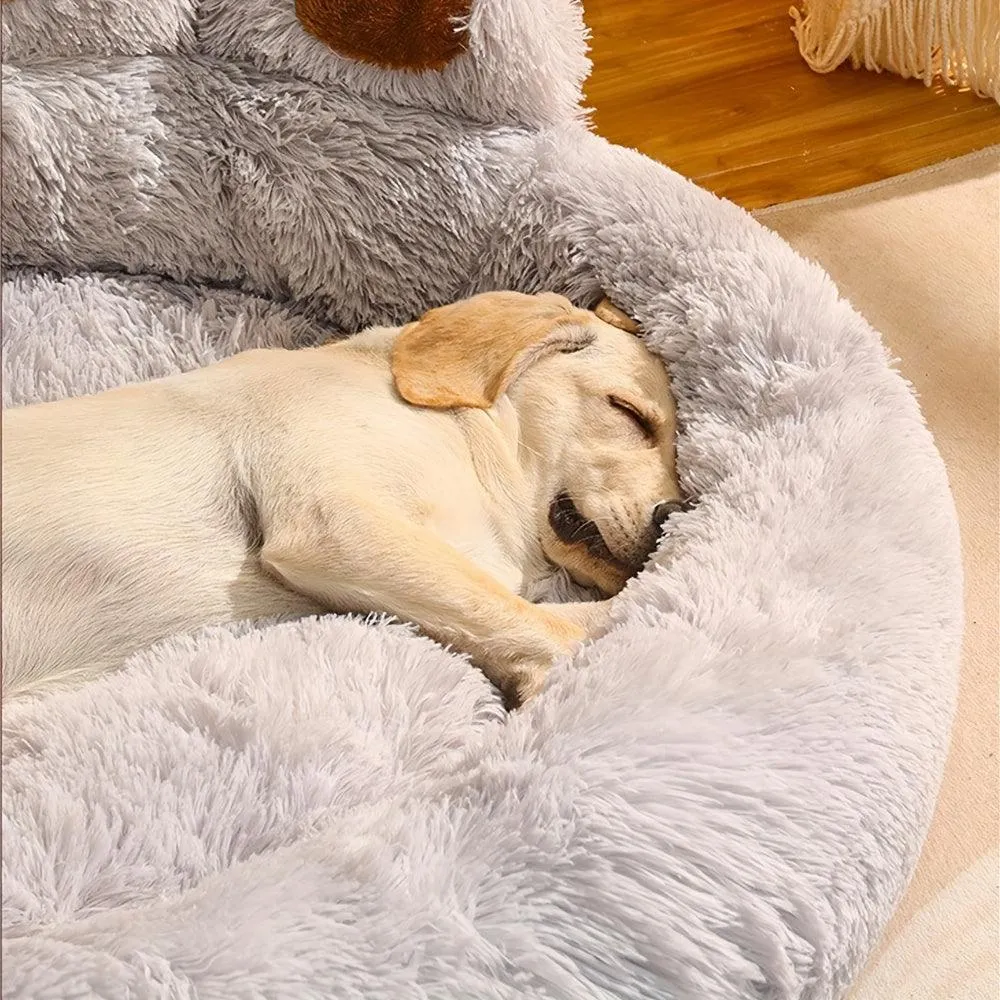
(91, 489)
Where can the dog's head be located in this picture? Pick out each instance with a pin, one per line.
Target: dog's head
(595, 415)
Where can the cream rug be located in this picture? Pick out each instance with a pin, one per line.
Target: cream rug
(919, 256)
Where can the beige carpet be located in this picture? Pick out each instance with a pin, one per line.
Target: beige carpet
(919, 256)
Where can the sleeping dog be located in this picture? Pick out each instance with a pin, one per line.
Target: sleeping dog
(436, 471)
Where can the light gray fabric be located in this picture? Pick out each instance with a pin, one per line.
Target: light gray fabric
(68, 337)
(722, 798)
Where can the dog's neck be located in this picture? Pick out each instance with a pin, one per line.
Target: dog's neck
(513, 484)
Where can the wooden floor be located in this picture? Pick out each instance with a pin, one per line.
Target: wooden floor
(718, 91)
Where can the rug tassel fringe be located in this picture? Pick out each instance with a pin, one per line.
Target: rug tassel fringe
(957, 41)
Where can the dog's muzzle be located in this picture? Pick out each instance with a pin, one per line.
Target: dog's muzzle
(573, 528)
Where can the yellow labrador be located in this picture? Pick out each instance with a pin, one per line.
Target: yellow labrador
(435, 471)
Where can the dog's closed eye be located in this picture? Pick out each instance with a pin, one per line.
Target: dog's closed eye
(645, 422)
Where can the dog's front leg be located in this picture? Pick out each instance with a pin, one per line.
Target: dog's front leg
(381, 563)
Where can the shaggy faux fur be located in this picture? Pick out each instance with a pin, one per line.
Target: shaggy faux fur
(722, 798)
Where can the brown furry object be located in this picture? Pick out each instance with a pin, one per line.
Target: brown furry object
(399, 34)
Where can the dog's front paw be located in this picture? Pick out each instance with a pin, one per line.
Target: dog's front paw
(521, 683)
(594, 617)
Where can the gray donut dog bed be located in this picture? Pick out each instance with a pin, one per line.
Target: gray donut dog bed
(723, 797)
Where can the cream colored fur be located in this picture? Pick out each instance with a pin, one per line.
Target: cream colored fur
(293, 482)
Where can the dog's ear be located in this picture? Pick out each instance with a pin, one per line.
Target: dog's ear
(610, 313)
(469, 353)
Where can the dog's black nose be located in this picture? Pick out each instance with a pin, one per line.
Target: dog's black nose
(663, 510)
